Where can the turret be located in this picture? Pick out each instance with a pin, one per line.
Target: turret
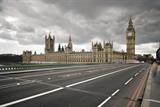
(27, 56)
(59, 48)
(49, 44)
(108, 48)
(69, 47)
(95, 47)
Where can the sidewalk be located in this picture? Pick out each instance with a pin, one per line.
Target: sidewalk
(152, 92)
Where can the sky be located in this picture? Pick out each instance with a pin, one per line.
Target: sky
(24, 23)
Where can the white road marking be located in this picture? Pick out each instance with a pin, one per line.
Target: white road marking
(18, 83)
(128, 81)
(69, 75)
(152, 100)
(91, 79)
(136, 74)
(115, 92)
(104, 101)
(31, 97)
(49, 78)
(60, 88)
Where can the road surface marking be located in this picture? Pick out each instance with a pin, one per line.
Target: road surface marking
(128, 81)
(15, 84)
(60, 88)
(106, 100)
(20, 78)
(91, 79)
(136, 74)
(49, 78)
(31, 97)
(137, 91)
(152, 100)
(18, 83)
(115, 92)
(69, 75)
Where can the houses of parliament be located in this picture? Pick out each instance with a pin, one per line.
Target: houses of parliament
(101, 52)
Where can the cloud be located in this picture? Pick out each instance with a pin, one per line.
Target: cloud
(26, 22)
(148, 25)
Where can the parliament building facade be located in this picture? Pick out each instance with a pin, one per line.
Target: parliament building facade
(101, 52)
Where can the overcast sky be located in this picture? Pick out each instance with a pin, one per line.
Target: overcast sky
(23, 23)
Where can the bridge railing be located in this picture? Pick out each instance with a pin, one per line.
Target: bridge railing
(15, 68)
(27, 67)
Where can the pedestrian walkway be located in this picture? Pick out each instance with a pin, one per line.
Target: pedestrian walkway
(152, 91)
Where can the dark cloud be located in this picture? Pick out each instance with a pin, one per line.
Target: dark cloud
(0, 5)
(7, 36)
(84, 20)
(94, 8)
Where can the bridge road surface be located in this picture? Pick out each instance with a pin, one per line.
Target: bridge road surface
(102, 85)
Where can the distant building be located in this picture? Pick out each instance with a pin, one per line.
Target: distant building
(101, 53)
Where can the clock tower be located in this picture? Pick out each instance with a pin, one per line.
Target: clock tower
(130, 41)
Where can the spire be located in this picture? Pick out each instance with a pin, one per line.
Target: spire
(62, 49)
(130, 21)
(130, 25)
(70, 38)
(59, 48)
(45, 36)
(49, 35)
(53, 36)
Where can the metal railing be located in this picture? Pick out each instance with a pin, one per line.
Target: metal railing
(27, 67)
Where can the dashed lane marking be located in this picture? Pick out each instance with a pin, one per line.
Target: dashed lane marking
(136, 74)
(128, 81)
(91, 79)
(115, 92)
(104, 101)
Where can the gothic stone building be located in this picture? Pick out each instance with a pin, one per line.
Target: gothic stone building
(99, 54)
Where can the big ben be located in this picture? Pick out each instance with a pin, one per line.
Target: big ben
(130, 39)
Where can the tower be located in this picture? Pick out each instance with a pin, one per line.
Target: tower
(70, 46)
(130, 40)
(49, 44)
(108, 50)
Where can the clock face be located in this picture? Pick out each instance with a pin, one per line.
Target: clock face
(130, 34)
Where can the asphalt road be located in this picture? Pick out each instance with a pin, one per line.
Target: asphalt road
(103, 85)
